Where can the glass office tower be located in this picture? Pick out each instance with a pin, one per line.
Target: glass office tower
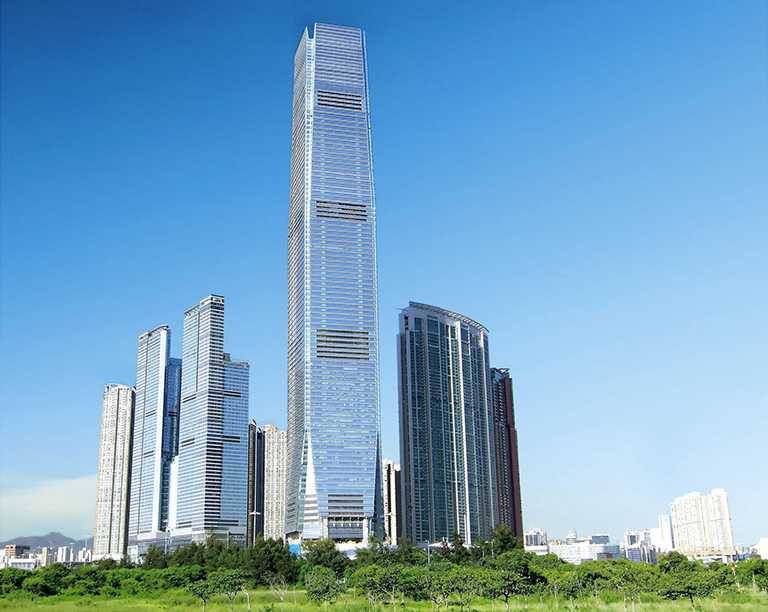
(333, 379)
(155, 434)
(213, 444)
(446, 438)
(110, 536)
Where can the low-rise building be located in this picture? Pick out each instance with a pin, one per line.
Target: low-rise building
(15, 550)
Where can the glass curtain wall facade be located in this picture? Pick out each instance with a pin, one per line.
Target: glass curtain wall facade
(446, 438)
(155, 433)
(112, 491)
(255, 482)
(505, 442)
(213, 429)
(333, 381)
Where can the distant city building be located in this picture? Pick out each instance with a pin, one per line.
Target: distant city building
(64, 554)
(334, 456)
(212, 480)
(15, 550)
(571, 538)
(392, 483)
(661, 536)
(505, 443)
(638, 548)
(155, 435)
(535, 537)
(112, 491)
(701, 524)
(446, 426)
(267, 456)
(600, 538)
(584, 551)
(47, 556)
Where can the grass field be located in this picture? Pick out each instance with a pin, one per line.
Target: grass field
(264, 601)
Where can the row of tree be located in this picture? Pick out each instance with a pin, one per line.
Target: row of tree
(498, 570)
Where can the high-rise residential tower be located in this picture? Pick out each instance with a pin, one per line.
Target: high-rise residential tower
(505, 442)
(267, 452)
(155, 434)
(334, 464)
(701, 524)
(255, 505)
(446, 426)
(213, 431)
(392, 489)
(112, 492)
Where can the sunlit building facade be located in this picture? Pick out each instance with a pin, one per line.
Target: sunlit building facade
(333, 463)
(213, 431)
(155, 434)
(701, 524)
(446, 436)
(112, 491)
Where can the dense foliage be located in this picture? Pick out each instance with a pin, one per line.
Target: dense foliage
(497, 570)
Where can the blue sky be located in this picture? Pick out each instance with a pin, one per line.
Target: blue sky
(587, 179)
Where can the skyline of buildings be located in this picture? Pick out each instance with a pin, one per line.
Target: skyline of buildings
(334, 455)
(198, 467)
(447, 451)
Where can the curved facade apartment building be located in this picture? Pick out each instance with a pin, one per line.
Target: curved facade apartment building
(446, 426)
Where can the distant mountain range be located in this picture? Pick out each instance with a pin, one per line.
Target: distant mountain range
(53, 539)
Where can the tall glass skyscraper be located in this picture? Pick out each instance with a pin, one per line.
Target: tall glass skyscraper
(110, 537)
(213, 430)
(333, 379)
(155, 434)
(446, 437)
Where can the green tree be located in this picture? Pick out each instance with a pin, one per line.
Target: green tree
(467, 583)
(229, 582)
(202, 589)
(504, 540)
(324, 553)
(438, 583)
(409, 555)
(154, 559)
(322, 584)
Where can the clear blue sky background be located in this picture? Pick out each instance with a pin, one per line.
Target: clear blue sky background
(587, 179)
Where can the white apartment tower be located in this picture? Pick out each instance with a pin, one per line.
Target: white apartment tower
(109, 540)
(701, 524)
(275, 455)
(391, 499)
